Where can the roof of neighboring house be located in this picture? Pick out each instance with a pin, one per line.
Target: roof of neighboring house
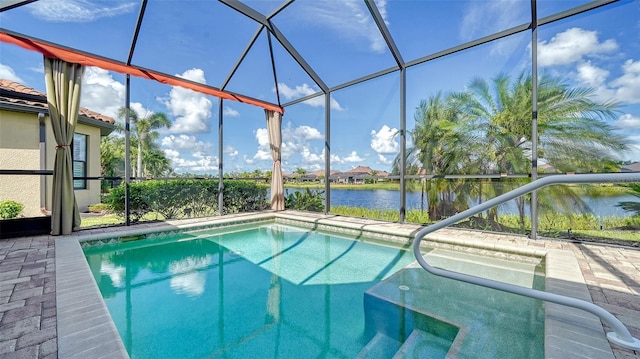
(360, 169)
(634, 167)
(321, 172)
(17, 93)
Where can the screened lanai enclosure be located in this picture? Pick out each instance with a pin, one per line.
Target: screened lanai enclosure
(409, 111)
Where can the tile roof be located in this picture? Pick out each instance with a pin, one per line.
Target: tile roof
(633, 167)
(15, 93)
(360, 169)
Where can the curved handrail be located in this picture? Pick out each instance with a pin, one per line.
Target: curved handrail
(620, 334)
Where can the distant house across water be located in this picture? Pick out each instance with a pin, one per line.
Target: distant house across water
(633, 167)
(357, 175)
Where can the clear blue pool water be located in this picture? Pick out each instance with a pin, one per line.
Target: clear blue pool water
(282, 292)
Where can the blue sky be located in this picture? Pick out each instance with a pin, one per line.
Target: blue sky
(202, 40)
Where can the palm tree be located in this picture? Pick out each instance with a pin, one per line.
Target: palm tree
(440, 148)
(574, 134)
(572, 128)
(156, 164)
(487, 129)
(145, 130)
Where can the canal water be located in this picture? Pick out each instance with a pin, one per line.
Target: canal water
(390, 199)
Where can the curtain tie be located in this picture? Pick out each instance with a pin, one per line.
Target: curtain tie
(62, 146)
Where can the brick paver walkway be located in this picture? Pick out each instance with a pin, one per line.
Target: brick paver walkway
(27, 298)
(612, 275)
(28, 304)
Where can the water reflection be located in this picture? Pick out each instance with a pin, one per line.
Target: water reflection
(115, 273)
(180, 264)
(185, 277)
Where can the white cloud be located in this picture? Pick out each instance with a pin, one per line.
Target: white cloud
(103, 94)
(353, 157)
(229, 112)
(140, 110)
(624, 89)
(78, 10)
(303, 132)
(350, 19)
(7, 73)
(627, 86)
(384, 160)
(248, 160)
(385, 141)
(231, 151)
(263, 152)
(185, 142)
(315, 161)
(39, 69)
(309, 158)
(296, 141)
(571, 46)
(628, 121)
(306, 90)
(192, 109)
(591, 75)
(188, 154)
(199, 161)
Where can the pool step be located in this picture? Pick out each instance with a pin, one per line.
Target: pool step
(380, 346)
(402, 326)
(419, 344)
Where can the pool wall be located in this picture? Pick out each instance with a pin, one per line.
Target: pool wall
(85, 327)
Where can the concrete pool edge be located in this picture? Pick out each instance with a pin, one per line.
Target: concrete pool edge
(567, 331)
(85, 327)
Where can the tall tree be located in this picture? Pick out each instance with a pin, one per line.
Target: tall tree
(573, 131)
(146, 132)
(487, 129)
(441, 146)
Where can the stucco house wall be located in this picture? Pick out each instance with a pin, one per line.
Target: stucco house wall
(20, 149)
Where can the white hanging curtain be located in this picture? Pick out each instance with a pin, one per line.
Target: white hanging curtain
(63, 82)
(274, 128)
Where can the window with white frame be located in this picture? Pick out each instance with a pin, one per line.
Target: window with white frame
(79, 160)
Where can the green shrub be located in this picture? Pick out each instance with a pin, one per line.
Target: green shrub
(307, 200)
(10, 209)
(186, 198)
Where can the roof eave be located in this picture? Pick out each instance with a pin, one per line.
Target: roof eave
(105, 127)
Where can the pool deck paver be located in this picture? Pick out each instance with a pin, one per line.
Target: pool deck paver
(32, 303)
(27, 298)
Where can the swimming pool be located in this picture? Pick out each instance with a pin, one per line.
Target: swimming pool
(283, 291)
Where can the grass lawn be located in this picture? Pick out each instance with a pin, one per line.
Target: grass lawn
(107, 219)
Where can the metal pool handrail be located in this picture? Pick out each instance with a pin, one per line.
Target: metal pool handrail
(620, 334)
